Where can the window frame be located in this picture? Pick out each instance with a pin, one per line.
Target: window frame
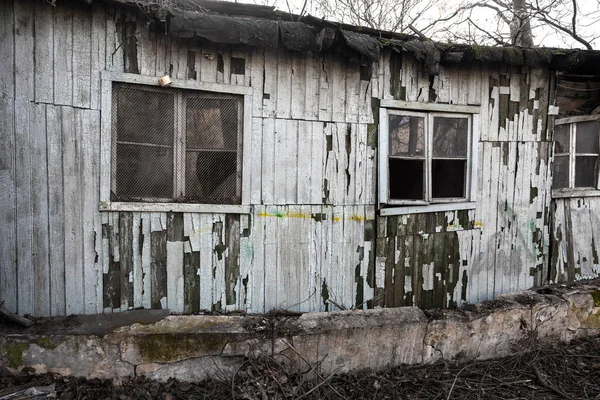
(107, 142)
(573, 191)
(429, 111)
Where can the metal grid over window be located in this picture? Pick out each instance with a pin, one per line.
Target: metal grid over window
(175, 145)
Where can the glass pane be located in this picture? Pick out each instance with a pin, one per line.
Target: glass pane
(562, 138)
(211, 177)
(450, 136)
(586, 137)
(448, 178)
(143, 116)
(406, 178)
(211, 123)
(561, 172)
(585, 171)
(406, 135)
(144, 172)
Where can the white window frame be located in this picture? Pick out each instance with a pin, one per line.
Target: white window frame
(573, 191)
(428, 111)
(106, 143)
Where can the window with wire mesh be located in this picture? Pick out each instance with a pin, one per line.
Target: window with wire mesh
(175, 145)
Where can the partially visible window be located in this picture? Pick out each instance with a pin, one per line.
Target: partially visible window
(428, 157)
(576, 152)
(175, 145)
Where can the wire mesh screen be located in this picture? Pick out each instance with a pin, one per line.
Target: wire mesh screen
(175, 145)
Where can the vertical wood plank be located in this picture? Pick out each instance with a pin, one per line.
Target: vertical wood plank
(72, 126)
(298, 85)
(39, 207)
(56, 210)
(270, 90)
(158, 262)
(7, 49)
(98, 53)
(8, 197)
(284, 84)
(25, 272)
(146, 261)
(44, 44)
(315, 133)
(268, 161)
(24, 50)
(257, 70)
(256, 286)
(311, 104)
(63, 56)
(206, 261)
(256, 161)
(82, 47)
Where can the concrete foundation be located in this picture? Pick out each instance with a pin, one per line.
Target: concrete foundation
(193, 348)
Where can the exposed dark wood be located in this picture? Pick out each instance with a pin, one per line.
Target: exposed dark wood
(158, 255)
(191, 282)
(232, 260)
(126, 256)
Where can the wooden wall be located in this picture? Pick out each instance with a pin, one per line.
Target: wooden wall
(575, 239)
(312, 241)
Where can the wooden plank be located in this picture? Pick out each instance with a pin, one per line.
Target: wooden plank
(298, 85)
(72, 178)
(316, 134)
(326, 88)
(256, 284)
(98, 53)
(63, 55)
(175, 279)
(282, 162)
(82, 48)
(158, 261)
(24, 50)
(55, 210)
(24, 217)
(8, 196)
(271, 234)
(146, 261)
(338, 87)
(270, 92)
(268, 161)
(284, 84)
(304, 164)
(7, 49)
(126, 260)
(256, 161)
(232, 261)
(311, 103)
(257, 70)
(244, 287)
(90, 135)
(44, 63)
(206, 261)
(39, 210)
(218, 262)
(224, 64)
(353, 84)
(137, 271)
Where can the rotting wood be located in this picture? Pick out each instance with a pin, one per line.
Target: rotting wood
(14, 317)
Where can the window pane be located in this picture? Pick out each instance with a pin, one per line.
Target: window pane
(211, 177)
(448, 178)
(562, 138)
(143, 116)
(406, 179)
(211, 123)
(450, 136)
(561, 172)
(144, 172)
(587, 137)
(585, 171)
(406, 135)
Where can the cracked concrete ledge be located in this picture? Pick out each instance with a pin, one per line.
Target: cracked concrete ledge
(193, 348)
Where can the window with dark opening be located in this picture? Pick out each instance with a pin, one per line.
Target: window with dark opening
(576, 152)
(428, 157)
(175, 145)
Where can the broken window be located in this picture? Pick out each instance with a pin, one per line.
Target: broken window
(175, 145)
(576, 152)
(426, 157)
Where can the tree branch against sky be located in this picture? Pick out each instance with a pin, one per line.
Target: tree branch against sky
(551, 23)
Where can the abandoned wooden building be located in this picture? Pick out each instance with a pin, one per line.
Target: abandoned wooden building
(291, 162)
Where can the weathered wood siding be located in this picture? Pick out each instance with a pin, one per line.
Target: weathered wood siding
(443, 259)
(312, 241)
(575, 239)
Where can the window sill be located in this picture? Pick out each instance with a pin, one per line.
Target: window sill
(470, 205)
(175, 207)
(569, 193)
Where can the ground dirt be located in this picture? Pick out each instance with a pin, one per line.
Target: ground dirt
(564, 372)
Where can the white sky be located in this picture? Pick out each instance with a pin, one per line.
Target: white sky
(484, 18)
